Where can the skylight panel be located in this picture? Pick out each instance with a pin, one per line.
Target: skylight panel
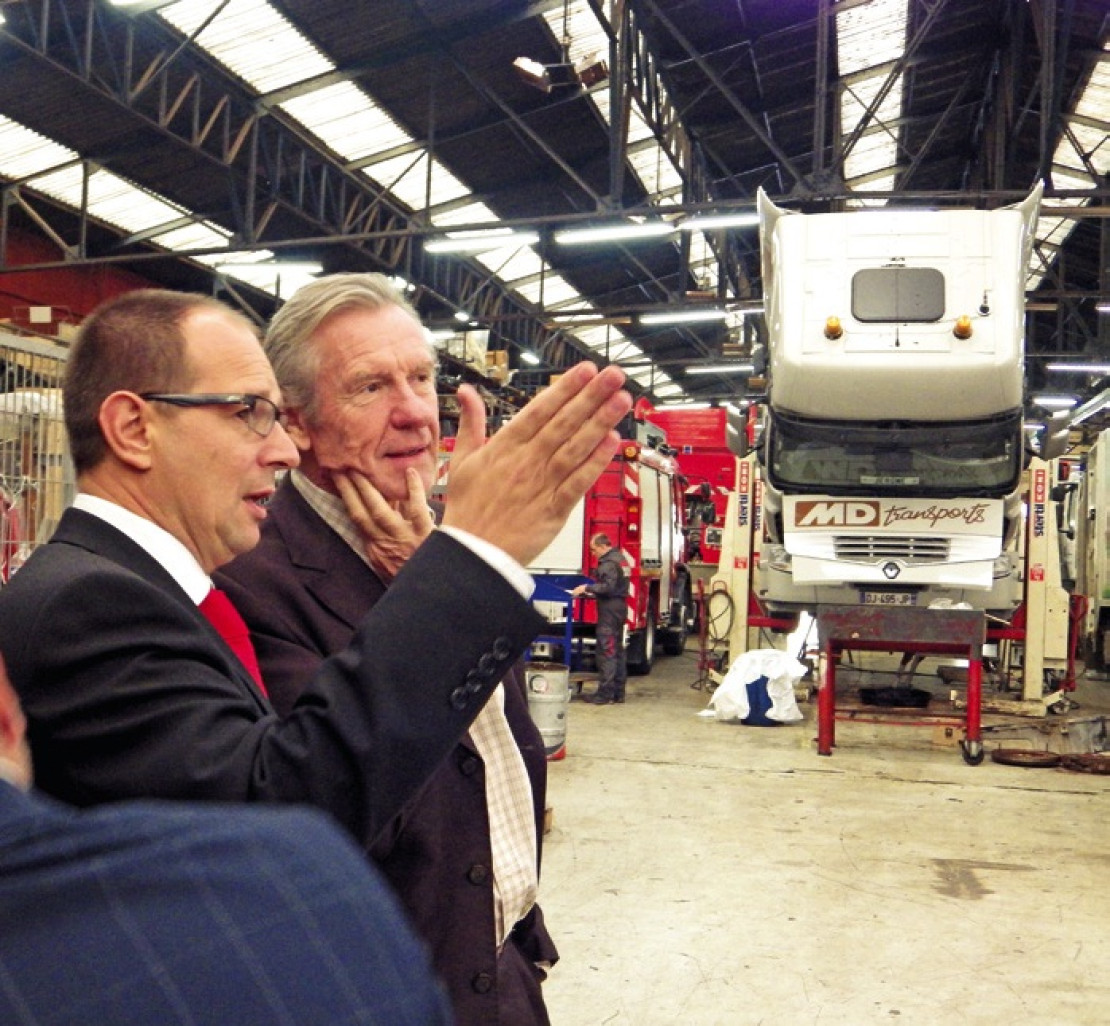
(1090, 126)
(25, 153)
(1069, 170)
(557, 293)
(646, 376)
(620, 348)
(1092, 139)
(1095, 101)
(668, 390)
(655, 170)
(869, 36)
(576, 26)
(638, 128)
(194, 236)
(502, 263)
(406, 177)
(511, 264)
(596, 336)
(344, 118)
(110, 198)
(252, 39)
(474, 212)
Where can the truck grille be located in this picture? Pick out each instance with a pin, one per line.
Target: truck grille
(873, 548)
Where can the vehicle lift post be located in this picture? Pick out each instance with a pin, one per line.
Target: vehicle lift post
(734, 574)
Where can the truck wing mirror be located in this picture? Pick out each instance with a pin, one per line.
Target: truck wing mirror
(736, 434)
(1054, 441)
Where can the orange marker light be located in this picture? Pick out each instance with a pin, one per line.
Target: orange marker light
(963, 327)
(833, 328)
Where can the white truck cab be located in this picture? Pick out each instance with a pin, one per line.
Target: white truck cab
(893, 452)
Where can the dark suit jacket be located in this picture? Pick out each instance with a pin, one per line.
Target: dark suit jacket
(141, 913)
(130, 692)
(302, 591)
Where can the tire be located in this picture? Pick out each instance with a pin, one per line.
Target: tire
(1025, 757)
(641, 645)
(674, 639)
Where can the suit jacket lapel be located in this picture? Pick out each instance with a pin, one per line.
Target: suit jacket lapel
(89, 532)
(326, 565)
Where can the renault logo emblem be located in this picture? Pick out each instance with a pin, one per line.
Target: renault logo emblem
(891, 570)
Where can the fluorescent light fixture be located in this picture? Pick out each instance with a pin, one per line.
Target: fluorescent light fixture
(1078, 368)
(683, 316)
(1102, 307)
(527, 356)
(1055, 402)
(462, 316)
(614, 233)
(722, 368)
(1033, 425)
(477, 242)
(708, 222)
(679, 405)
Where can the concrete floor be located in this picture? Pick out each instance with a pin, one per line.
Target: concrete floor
(711, 874)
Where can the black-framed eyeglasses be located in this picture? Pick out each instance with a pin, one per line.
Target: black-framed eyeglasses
(259, 413)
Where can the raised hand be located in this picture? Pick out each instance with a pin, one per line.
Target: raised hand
(517, 489)
(390, 532)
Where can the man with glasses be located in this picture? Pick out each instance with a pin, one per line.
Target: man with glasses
(128, 689)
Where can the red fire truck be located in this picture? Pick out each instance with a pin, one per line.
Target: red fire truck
(638, 502)
(704, 459)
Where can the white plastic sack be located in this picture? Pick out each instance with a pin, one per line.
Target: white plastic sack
(730, 701)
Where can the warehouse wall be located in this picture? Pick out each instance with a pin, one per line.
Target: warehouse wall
(70, 292)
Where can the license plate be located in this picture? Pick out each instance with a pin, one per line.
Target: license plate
(888, 598)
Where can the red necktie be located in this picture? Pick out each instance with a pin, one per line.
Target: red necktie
(217, 607)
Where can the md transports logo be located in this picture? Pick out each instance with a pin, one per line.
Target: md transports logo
(823, 513)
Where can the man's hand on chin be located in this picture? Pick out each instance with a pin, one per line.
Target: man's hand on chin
(391, 532)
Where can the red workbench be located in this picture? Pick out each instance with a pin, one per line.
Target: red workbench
(960, 632)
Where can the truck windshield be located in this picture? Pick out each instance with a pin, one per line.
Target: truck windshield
(973, 458)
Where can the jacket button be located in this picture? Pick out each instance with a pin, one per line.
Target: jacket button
(482, 983)
(459, 699)
(487, 665)
(475, 682)
(478, 873)
(502, 649)
(469, 764)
